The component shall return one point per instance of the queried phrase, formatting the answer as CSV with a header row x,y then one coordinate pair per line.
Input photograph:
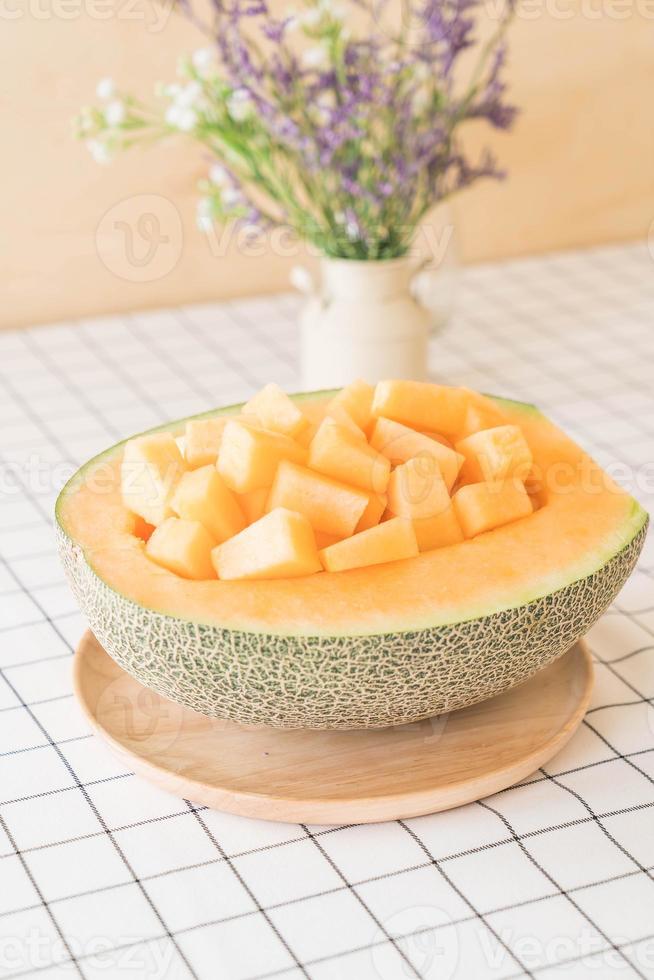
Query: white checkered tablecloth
x,y
103,876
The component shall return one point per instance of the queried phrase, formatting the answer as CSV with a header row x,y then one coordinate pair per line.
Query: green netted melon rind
x,y
341,681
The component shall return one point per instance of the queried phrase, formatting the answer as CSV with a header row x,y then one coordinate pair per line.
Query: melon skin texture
x,y
349,675
345,677
341,682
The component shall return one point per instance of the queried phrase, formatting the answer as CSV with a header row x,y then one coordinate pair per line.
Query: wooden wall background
x,y
581,158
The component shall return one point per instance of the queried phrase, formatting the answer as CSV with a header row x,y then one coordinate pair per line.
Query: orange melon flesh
x,y
202,495
274,410
495,454
323,540
142,529
438,531
253,503
388,542
482,413
400,443
438,437
328,505
279,545
372,515
484,506
151,466
202,438
583,521
339,453
421,405
355,399
338,415
183,547
417,489
248,458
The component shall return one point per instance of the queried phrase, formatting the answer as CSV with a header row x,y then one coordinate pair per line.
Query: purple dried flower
x,y
366,127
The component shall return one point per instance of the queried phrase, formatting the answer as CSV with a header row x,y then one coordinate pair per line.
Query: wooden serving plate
x,y
328,777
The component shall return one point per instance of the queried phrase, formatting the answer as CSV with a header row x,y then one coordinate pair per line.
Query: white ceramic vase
x,y
362,321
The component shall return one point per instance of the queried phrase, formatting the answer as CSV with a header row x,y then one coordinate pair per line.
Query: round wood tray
x,y
334,776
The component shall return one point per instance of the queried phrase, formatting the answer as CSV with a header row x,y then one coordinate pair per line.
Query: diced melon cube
x,y
482,413
253,503
338,452
373,513
438,437
400,443
150,468
495,454
183,547
338,415
304,437
202,438
356,400
390,541
201,495
417,489
329,506
421,405
483,506
279,545
275,411
248,458
438,531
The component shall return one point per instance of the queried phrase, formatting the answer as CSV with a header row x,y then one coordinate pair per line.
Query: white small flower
x,y
179,117
204,217
291,18
230,197
312,17
352,231
99,151
172,90
115,113
239,104
105,88
218,175
203,59
315,57
189,94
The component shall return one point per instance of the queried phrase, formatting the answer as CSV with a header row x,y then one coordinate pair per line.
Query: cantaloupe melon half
x,y
382,645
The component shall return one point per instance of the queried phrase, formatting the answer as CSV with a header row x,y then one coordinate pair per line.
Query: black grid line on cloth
x,y
249,323
561,891
342,888
477,915
212,344
77,391
239,877
510,281
599,821
42,902
546,829
108,833
353,891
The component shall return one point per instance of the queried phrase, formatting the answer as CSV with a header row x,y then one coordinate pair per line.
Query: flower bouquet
x,y
338,123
